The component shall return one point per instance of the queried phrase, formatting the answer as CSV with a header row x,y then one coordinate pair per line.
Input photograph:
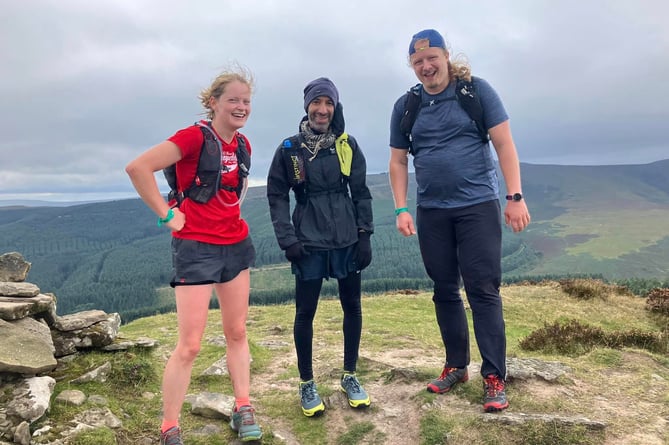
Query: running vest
x,y
208,174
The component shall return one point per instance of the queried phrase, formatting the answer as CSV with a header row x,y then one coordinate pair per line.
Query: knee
x,y
187,351
446,292
235,334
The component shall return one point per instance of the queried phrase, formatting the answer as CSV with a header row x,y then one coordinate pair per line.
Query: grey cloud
x,y
87,86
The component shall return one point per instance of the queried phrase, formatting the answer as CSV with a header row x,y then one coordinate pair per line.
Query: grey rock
x,y
13,267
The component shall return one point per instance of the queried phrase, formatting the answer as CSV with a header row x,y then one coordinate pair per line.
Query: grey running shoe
x,y
311,402
357,397
448,379
494,394
244,423
171,437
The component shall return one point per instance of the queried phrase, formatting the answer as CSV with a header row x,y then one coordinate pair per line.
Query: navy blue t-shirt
x,y
454,168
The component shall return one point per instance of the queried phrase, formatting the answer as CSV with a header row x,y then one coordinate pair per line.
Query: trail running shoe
x,y
448,379
494,395
357,397
171,437
244,423
311,402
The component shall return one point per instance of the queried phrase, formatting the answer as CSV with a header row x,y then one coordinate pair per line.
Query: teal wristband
x,y
168,218
401,210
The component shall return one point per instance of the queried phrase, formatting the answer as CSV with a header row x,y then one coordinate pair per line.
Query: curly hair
x,y
236,73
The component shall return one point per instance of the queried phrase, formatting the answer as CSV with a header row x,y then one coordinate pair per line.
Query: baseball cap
x,y
434,40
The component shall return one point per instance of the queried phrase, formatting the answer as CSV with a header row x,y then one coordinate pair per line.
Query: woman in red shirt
x,y
211,249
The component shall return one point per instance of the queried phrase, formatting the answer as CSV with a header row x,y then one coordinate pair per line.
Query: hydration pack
x,y
293,158
207,180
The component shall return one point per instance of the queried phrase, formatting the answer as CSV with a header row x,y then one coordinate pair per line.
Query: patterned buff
x,y
314,142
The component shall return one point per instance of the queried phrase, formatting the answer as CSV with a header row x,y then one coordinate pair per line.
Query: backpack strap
x,y
296,173
470,101
465,94
344,153
207,179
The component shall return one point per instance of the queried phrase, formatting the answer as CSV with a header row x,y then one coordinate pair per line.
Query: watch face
x,y
517,196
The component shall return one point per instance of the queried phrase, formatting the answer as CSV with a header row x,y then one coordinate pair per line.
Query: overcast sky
x,y
88,85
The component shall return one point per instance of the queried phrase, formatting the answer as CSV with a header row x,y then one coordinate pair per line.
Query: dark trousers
x,y
306,301
467,242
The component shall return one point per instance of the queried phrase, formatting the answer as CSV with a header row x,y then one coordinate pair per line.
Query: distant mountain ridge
x,y
608,221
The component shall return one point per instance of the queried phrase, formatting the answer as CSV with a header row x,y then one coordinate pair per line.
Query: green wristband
x,y
401,210
168,218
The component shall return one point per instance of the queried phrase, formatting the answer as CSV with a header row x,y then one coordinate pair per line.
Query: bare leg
x,y
233,298
192,309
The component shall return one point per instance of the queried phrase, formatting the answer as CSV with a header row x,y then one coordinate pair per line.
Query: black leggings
x,y
306,302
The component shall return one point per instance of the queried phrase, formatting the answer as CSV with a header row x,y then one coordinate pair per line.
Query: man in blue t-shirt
x,y
458,214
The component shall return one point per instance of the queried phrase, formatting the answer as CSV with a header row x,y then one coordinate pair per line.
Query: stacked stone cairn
x,y
34,341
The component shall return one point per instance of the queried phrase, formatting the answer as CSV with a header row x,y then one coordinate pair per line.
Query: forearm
x,y
510,166
399,177
145,183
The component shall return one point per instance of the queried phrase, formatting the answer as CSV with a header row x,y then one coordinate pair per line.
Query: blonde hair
x,y
458,67
217,88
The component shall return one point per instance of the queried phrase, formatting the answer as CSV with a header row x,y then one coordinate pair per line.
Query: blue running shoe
x,y
312,404
244,423
357,397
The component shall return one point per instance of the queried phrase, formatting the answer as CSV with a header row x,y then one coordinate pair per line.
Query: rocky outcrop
x,y
34,339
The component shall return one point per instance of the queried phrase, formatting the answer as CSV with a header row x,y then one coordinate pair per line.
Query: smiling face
x,y
320,113
430,64
232,108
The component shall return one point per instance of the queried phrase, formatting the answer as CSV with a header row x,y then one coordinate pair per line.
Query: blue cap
x,y
434,40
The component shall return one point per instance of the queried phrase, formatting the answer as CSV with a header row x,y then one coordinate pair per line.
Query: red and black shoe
x,y
448,379
494,395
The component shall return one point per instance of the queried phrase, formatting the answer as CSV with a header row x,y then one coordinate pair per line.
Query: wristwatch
x,y
515,197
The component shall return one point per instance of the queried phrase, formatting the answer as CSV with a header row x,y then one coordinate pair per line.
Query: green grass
x,y
395,328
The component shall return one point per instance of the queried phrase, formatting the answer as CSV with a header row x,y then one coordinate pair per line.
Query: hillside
x,y
594,394
607,221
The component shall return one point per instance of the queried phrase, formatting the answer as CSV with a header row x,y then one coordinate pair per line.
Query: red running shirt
x,y
218,221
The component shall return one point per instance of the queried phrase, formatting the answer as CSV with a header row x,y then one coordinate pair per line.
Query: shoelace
x,y
309,392
493,385
352,383
248,417
446,372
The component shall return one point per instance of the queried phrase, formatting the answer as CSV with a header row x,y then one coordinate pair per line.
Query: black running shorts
x,y
196,262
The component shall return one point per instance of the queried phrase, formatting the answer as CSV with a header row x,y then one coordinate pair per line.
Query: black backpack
x,y
207,180
465,94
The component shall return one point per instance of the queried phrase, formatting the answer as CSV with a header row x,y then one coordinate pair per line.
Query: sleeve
x,y
397,138
278,195
362,198
494,112
189,140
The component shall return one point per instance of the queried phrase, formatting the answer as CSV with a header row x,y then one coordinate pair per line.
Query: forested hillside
x,y
607,221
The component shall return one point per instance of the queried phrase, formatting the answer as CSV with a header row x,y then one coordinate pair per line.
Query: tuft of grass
x,y
133,370
657,301
97,436
435,429
585,288
574,338
357,432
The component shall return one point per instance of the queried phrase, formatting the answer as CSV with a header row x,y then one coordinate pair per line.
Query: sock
x,y
349,372
241,401
168,424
